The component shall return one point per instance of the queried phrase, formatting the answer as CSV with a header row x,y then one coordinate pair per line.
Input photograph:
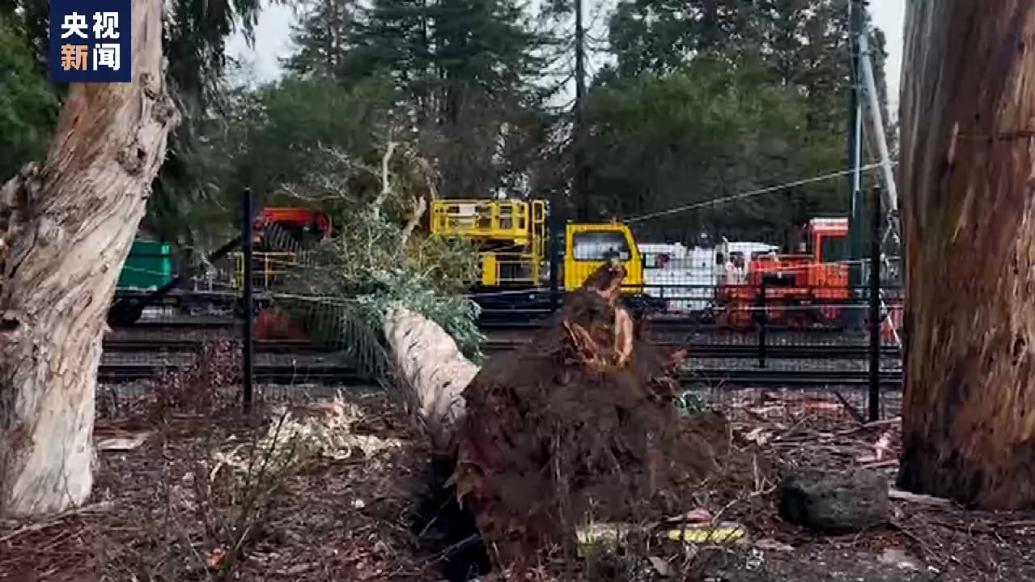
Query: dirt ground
x,y
171,509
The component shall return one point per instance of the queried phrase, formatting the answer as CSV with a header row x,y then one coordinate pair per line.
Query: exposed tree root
x,y
578,426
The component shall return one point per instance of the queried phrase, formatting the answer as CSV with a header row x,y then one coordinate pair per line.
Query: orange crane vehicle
x,y
797,290
304,225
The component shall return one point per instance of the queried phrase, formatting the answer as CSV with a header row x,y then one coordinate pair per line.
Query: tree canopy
x,y
702,99
28,105
463,72
706,132
708,98
194,44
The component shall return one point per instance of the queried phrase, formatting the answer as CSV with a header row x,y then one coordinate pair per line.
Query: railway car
x,y
149,265
280,235
148,280
148,269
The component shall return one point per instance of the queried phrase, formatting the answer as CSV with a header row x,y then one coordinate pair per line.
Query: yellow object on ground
x,y
601,536
724,532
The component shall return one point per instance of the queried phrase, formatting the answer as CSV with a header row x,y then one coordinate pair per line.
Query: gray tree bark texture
x,y
69,224
431,369
968,180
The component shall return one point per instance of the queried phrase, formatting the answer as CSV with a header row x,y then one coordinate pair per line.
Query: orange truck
x,y
798,290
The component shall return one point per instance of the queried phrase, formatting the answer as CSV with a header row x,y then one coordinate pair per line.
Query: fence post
x,y
763,320
247,213
875,244
556,240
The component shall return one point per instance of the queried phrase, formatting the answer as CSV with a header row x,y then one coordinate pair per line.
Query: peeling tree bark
x,y
69,224
432,371
968,176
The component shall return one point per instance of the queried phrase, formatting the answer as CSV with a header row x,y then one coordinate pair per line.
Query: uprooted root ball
x,y
564,431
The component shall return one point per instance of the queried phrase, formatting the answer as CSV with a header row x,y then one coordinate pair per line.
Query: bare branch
x,y
420,206
386,185
293,191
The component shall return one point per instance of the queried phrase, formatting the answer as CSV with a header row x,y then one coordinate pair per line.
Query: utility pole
x,y
248,346
579,194
873,297
855,137
873,99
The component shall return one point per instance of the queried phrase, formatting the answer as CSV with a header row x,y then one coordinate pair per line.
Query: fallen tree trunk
x,y
69,224
968,146
434,373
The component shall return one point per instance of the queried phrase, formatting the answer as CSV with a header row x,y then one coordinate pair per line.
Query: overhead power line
x,y
749,194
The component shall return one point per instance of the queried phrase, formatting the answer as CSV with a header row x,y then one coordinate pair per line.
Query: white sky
x,y
272,40
890,16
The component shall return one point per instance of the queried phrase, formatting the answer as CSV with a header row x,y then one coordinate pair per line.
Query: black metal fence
x,y
749,318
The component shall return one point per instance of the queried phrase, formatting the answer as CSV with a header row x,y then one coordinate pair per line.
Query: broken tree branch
x,y
386,184
420,207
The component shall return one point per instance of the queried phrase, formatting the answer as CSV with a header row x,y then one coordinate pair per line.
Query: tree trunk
x,y
433,371
69,225
968,142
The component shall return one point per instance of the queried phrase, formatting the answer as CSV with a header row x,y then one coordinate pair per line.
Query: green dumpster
x,y
149,265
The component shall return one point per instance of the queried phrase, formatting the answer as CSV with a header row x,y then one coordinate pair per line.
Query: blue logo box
x,y
90,41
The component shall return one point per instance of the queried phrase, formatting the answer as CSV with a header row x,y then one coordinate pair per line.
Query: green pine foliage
x,y
463,72
201,148
28,105
324,37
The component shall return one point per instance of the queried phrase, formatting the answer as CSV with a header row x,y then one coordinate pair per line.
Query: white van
x,y
684,277
733,259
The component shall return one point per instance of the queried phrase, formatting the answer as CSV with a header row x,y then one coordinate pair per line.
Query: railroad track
x,y
268,374
708,374
762,377
201,323
743,351
176,345
696,349
698,378
518,321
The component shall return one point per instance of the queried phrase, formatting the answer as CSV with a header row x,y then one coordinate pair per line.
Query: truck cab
x,y
826,245
590,245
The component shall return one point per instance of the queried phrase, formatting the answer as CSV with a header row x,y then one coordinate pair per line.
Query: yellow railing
x,y
266,267
502,220
539,237
510,269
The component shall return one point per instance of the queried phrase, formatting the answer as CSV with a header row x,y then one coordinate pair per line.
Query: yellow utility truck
x,y
514,240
